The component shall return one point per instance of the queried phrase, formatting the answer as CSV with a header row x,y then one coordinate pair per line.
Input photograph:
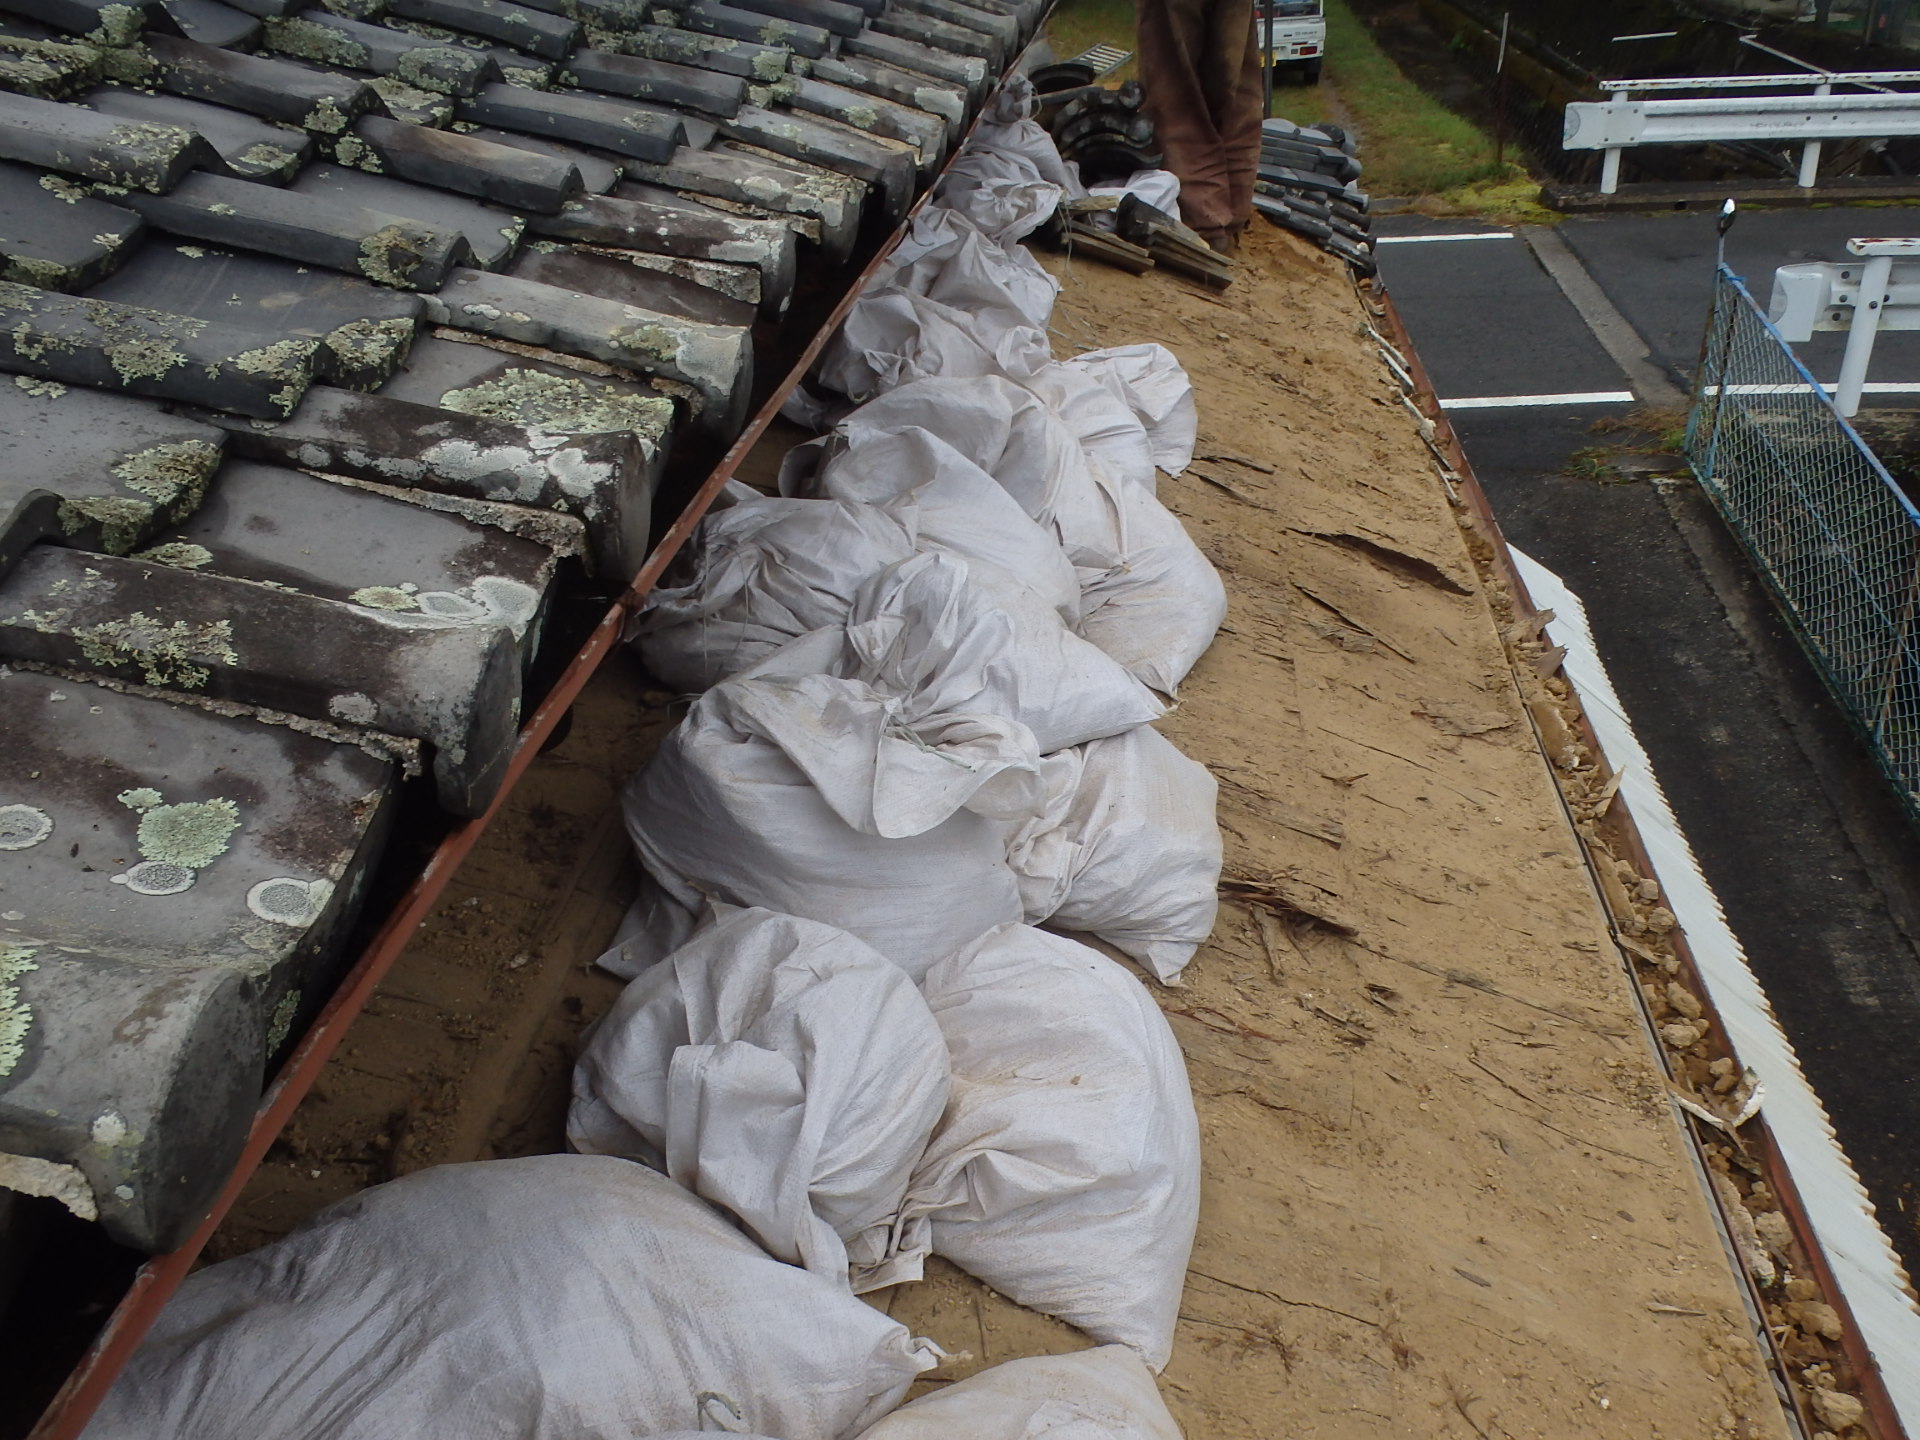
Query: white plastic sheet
x,y
777,1067
893,334
1066,1173
760,571
831,798
1153,384
956,505
1129,849
947,258
1106,1393
1157,616
560,1297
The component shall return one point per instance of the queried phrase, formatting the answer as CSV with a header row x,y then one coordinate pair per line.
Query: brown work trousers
x,y
1200,66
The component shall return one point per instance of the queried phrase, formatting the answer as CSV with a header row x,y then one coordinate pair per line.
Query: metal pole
x,y
1810,151
1610,157
1860,335
1266,50
1500,95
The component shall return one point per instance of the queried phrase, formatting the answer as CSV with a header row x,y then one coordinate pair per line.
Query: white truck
x,y
1294,33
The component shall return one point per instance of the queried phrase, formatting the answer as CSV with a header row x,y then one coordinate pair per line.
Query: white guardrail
x,y
1621,120
1879,291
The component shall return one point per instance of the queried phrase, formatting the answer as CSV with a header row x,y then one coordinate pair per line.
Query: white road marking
x,y
1514,402
1432,239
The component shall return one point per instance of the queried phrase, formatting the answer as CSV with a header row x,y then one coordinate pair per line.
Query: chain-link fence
x,y
1831,532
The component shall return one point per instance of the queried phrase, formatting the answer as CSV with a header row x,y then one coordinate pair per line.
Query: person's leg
x,y
1242,96
1176,38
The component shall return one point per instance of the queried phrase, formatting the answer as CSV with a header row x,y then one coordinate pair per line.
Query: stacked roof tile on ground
x,y
326,336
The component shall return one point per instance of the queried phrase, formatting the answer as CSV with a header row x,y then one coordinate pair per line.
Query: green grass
x,y
1410,144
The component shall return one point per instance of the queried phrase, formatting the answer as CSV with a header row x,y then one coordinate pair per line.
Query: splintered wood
x,y
1444,1194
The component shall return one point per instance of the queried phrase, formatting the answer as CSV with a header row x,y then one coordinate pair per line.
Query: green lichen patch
x,y
192,835
769,66
559,404
281,1021
412,104
119,25
653,342
122,520
141,798
385,597
47,69
167,654
326,118
352,150
267,157
15,1014
366,352
393,253
63,189
310,40
173,475
38,270
180,554
438,68
40,389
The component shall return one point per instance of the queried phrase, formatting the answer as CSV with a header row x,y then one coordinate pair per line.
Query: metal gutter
x,y
153,1284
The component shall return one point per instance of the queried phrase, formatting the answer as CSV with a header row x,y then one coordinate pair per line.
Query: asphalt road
x,y
1814,861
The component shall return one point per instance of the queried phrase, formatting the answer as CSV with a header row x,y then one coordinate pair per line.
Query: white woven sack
x,y
946,257
759,572
1002,193
1153,384
957,505
777,1067
1012,435
1106,1393
961,639
559,1297
1103,422
1066,1172
892,335
794,789
1007,127
1157,616
1129,849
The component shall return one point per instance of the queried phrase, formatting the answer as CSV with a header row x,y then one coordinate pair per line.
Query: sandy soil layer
x,y
1444,1195
1443,1192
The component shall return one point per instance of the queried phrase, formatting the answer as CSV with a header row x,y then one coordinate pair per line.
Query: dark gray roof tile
x,y
412,104
54,235
910,54
181,911
829,15
599,170
657,80
607,478
624,127
212,23
82,142
1002,27
316,224
524,389
149,352
45,68
121,468
940,34
252,148
716,361
452,684
313,100
353,44
552,37
926,132
749,175
612,275
363,329
638,217
518,179
876,77
337,540
104,22
711,18
889,167
750,61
